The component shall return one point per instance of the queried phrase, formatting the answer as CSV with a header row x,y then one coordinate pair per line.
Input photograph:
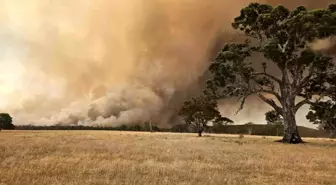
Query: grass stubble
x,y
118,158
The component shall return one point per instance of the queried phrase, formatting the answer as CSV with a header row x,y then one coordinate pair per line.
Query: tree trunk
x,y
277,131
200,131
332,134
250,131
291,133
150,127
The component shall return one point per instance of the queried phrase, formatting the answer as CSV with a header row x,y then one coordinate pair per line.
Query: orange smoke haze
x,y
108,61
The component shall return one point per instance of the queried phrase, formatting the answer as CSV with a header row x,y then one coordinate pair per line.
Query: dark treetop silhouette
x,y
282,37
6,121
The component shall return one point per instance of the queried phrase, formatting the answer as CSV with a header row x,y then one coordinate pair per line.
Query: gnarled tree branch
x,y
301,103
306,101
271,103
272,93
243,99
304,82
242,103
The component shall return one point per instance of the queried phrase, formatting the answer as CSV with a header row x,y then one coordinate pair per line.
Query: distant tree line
x,y
265,130
132,127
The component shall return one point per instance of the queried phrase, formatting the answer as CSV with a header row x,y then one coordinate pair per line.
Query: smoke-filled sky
x,y
113,61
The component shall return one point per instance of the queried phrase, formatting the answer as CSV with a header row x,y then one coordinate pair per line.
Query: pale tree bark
x,y
291,133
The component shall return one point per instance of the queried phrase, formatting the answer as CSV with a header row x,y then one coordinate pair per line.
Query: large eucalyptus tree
x,y
282,38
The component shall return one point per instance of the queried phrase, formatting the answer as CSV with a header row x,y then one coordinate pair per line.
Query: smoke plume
x,y
108,62
327,46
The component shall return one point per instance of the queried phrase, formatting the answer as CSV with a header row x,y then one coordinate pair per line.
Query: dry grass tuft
x,y
99,157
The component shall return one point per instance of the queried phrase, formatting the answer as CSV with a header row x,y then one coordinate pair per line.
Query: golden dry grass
x,y
99,157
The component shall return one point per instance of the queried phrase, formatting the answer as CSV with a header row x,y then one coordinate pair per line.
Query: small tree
x,y
6,121
199,111
275,119
282,37
250,127
324,114
149,126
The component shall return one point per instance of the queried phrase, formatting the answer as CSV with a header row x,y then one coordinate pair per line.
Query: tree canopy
x,y
273,118
201,110
279,38
6,121
324,114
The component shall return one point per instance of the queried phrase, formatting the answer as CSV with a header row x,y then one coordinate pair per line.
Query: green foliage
x,y
274,118
324,114
6,121
199,111
282,37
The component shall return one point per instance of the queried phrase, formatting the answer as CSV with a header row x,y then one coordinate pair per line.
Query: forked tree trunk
x,y
291,133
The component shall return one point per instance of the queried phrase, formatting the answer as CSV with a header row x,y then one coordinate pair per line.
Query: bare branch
x,y
301,103
306,101
303,83
272,93
243,99
242,103
305,80
267,75
271,103
284,47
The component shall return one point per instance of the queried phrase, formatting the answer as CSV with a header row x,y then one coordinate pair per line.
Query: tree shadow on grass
x,y
294,143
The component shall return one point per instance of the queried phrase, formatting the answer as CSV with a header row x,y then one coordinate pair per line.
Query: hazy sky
x,y
128,60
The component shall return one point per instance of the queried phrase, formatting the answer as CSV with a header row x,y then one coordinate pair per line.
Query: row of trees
x,y
279,38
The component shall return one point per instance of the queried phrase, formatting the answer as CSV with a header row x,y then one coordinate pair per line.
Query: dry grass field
x,y
99,157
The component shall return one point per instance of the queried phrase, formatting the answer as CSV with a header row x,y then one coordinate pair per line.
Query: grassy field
x,y
99,157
